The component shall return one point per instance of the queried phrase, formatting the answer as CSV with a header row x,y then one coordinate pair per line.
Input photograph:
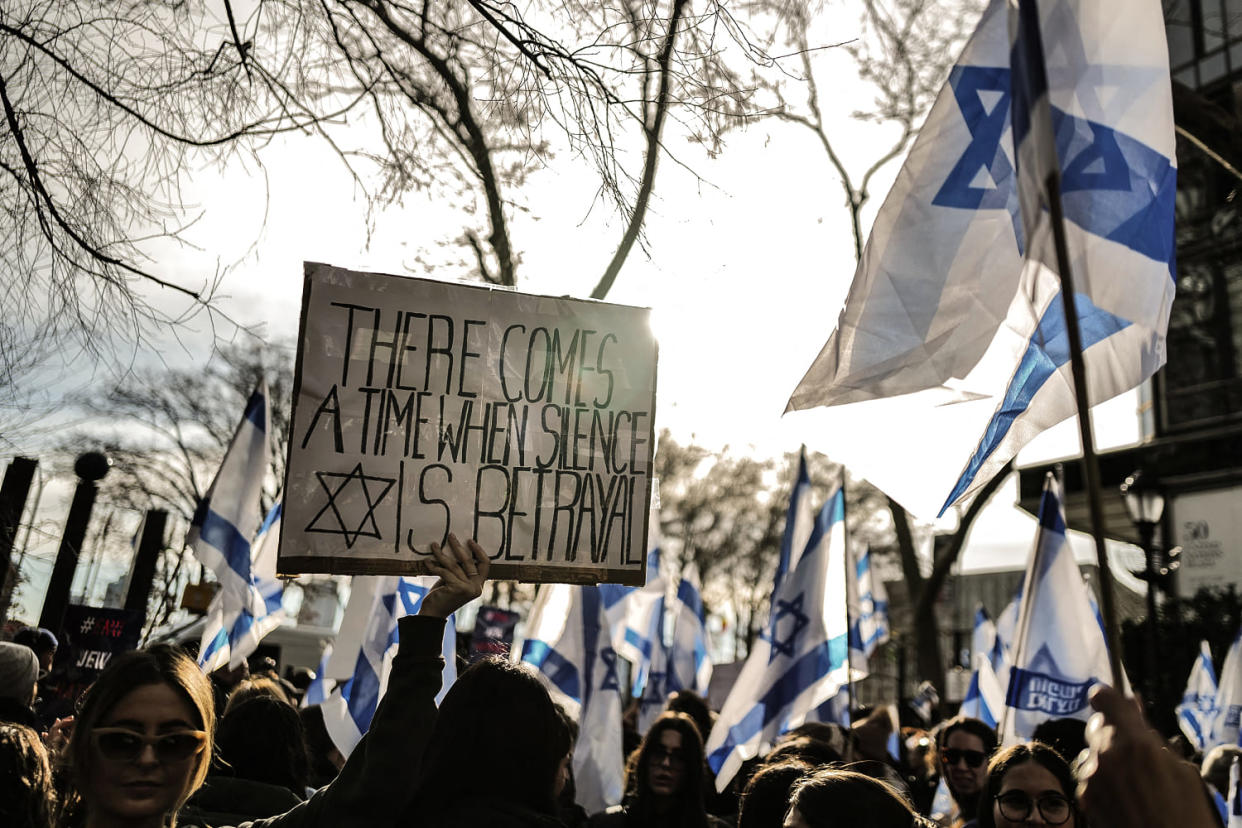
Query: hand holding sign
x,y
462,571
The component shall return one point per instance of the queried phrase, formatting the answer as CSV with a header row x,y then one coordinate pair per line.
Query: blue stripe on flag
x,y
273,515
241,626
256,411
832,513
591,610
809,668
690,597
1050,513
559,670
801,489
1047,351
219,533
217,644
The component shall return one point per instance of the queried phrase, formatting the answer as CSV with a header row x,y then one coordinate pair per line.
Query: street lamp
x,y
1145,502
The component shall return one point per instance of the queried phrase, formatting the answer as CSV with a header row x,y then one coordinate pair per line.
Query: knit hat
x,y
19,670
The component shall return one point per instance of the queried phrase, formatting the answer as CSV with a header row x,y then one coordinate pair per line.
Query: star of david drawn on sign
x,y
350,509
788,622
610,681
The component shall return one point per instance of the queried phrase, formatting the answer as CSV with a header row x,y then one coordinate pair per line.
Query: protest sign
x,y
424,407
493,633
90,637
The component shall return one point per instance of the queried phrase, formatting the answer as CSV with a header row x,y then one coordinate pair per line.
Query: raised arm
x,y
374,787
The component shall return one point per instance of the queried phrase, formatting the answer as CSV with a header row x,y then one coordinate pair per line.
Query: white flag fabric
x,y
801,658
1229,698
689,666
985,697
1060,651
799,522
943,303
983,637
639,638
348,711
221,533
868,603
1198,706
567,643
317,690
234,631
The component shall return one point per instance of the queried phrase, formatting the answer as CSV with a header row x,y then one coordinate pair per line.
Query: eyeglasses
x,y
121,744
973,758
1016,806
676,758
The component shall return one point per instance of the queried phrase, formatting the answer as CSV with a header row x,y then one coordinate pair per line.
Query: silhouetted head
x,y
496,712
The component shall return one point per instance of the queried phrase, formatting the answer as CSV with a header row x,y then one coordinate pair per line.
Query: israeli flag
x,y
640,636
801,658
224,525
956,298
983,636
1198,706
799,522
689,666
651,678
1228,698
1060,651
317,690
985,697
868,603
568,646
348,711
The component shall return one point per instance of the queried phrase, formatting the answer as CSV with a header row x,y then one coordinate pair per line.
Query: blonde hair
x,y
160,664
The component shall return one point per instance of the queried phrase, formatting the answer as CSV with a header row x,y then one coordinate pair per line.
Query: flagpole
x,y
1090,463
849,660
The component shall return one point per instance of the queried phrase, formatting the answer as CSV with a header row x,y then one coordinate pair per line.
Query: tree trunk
x,y
924,591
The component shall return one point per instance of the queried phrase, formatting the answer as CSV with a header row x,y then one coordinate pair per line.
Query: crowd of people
x,y
152,744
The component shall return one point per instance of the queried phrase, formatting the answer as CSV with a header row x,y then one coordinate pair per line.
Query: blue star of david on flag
x,y
611,680
787,644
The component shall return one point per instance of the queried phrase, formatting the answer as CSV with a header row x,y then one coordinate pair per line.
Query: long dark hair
x,y
1020,754
496,712
687,808
159,664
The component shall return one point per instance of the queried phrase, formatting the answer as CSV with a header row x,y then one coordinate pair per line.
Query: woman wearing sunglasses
x,y
143,738
963,746
1028,785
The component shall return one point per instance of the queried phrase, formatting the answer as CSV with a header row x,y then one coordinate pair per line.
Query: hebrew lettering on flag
x,y
1060,652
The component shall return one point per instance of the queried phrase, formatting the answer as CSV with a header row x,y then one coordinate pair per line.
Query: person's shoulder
x,y
717,822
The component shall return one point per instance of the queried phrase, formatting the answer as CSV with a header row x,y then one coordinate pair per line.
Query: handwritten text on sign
x,y
427,407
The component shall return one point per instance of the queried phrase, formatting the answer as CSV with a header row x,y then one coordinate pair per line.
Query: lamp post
x,y
1145,502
